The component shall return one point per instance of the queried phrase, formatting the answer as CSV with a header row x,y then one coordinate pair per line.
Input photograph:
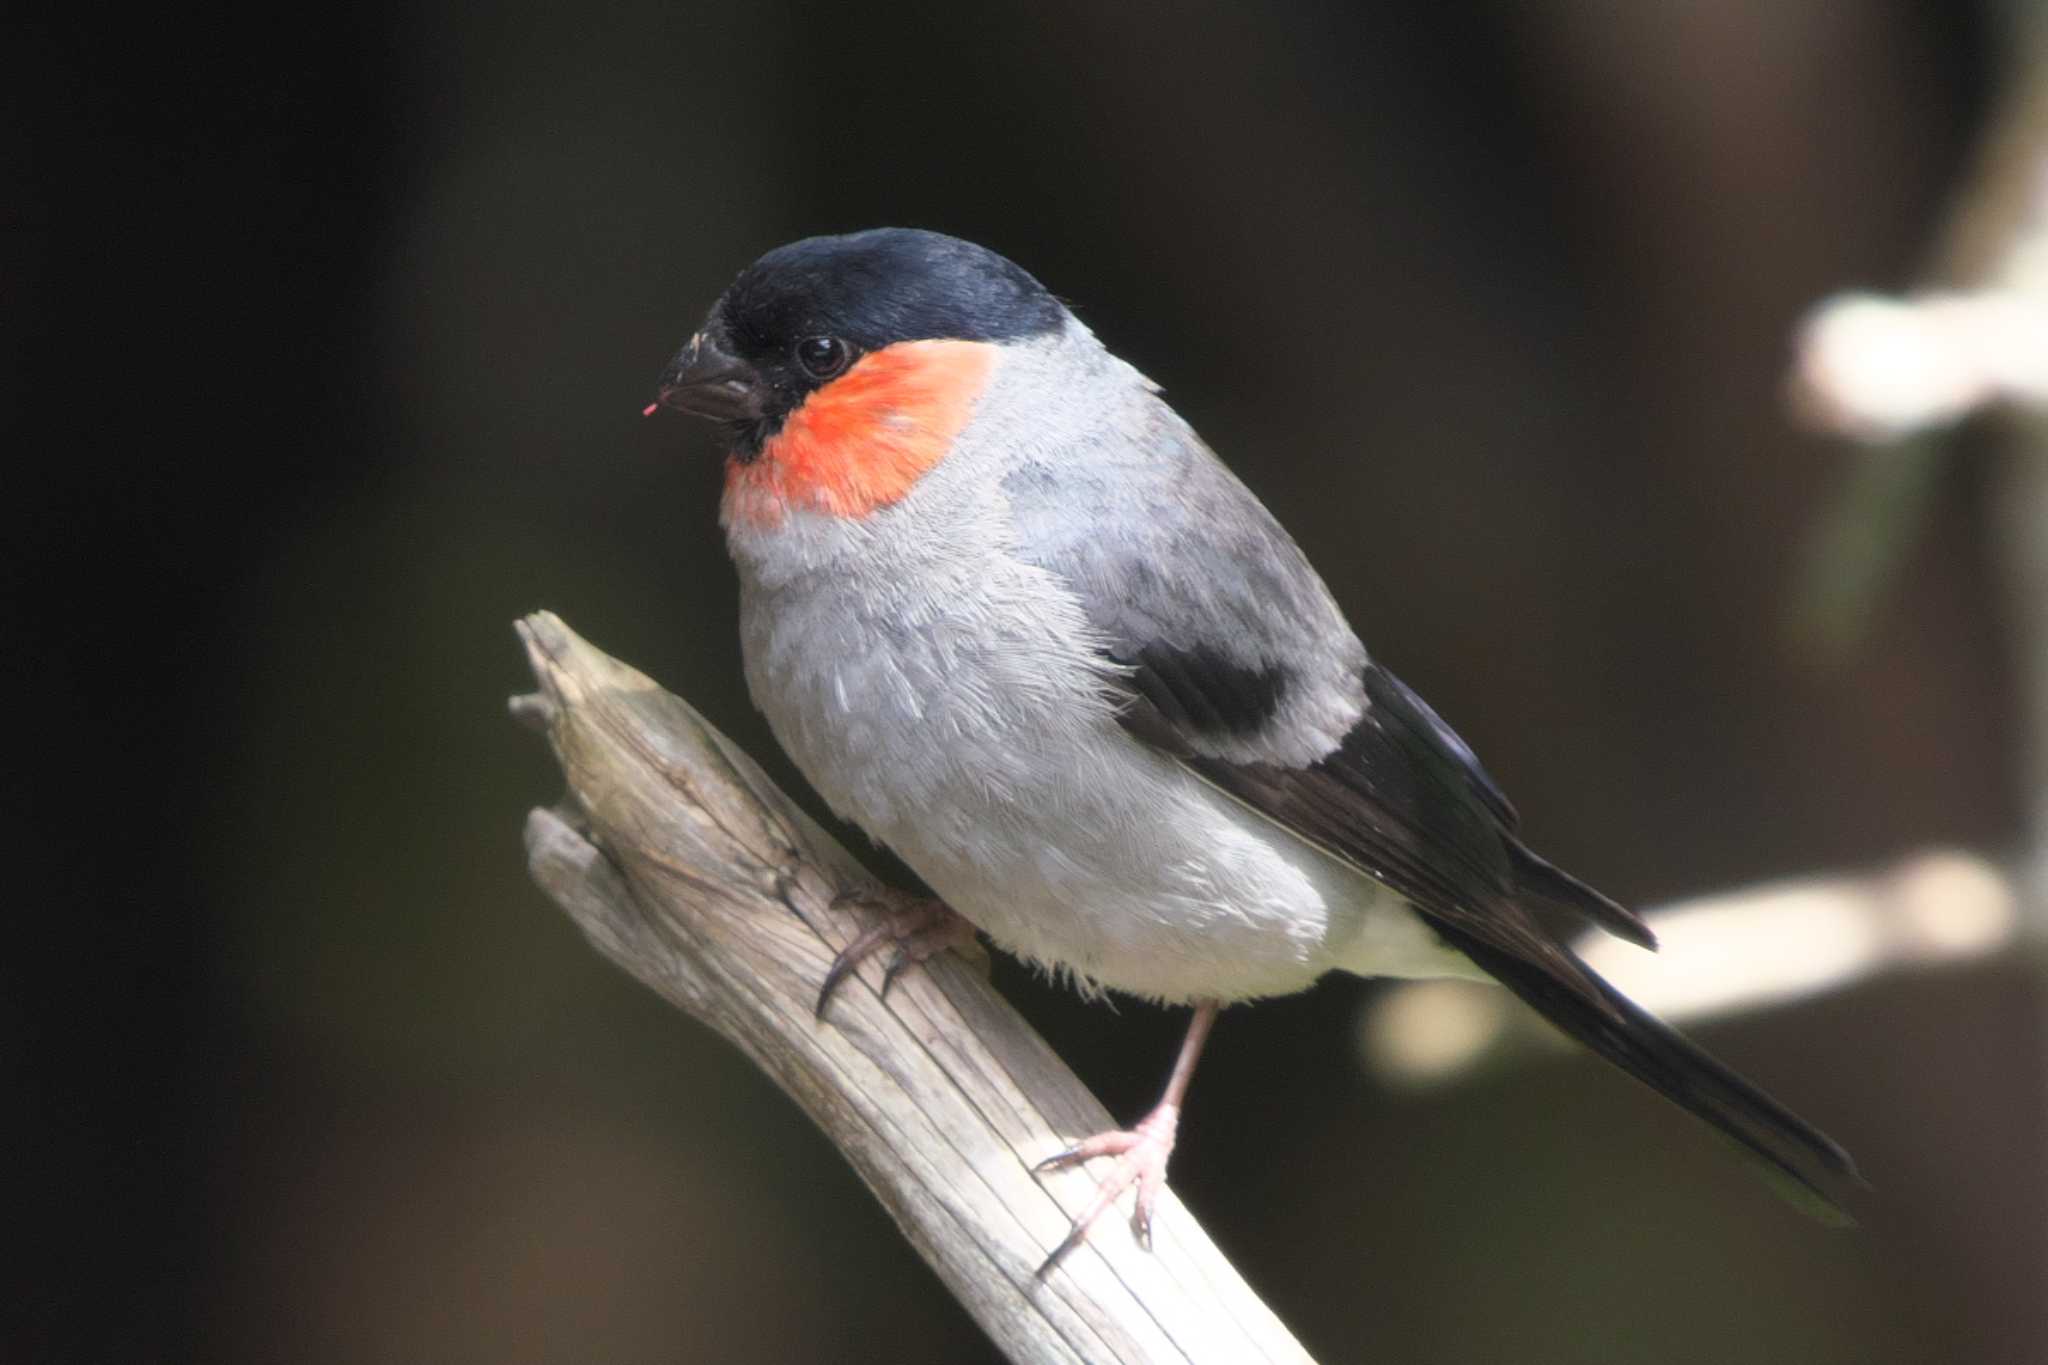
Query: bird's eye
x,y
822,357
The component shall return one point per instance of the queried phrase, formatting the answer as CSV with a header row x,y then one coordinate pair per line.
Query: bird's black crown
x,y
873,289
805,313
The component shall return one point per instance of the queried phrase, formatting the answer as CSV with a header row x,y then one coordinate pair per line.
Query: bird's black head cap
x,y
804,313
872,289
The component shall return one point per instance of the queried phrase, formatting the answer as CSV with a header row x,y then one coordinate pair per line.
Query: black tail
x,y
1799,1159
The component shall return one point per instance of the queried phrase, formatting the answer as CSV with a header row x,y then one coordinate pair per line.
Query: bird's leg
x,y
1141,1151
921,927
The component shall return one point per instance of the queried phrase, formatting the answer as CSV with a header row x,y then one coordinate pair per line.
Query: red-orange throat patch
x,y
863,441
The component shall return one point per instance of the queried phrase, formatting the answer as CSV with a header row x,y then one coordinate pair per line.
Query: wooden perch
x,y
685,865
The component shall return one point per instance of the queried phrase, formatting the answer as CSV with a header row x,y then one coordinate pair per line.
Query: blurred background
x,y
326,333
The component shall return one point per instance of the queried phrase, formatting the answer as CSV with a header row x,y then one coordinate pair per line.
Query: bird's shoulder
x,y
1194,590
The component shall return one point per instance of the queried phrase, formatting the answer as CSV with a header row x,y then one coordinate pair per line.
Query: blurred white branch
x,y
1877,368
1895,373
1725,954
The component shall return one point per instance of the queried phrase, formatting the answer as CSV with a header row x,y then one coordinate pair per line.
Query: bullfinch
x,y
1008,613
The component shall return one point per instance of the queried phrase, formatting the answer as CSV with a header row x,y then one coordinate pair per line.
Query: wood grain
x,y
686,866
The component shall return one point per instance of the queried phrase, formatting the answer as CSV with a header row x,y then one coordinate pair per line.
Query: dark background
x,y
326,333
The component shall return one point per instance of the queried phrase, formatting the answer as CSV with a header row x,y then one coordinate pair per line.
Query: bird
x,y
1007,612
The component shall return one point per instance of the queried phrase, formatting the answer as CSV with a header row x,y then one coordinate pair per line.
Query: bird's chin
x,y
746,437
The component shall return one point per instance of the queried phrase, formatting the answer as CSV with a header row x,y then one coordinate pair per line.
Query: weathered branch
x,y
685,865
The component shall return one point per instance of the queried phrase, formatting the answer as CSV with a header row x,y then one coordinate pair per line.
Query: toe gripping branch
x,y
1142,1152
921,927
659,855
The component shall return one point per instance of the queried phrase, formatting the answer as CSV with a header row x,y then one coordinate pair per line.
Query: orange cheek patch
x,y
864,440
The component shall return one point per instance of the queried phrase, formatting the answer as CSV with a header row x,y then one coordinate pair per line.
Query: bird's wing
x,y
1232,656
1229,654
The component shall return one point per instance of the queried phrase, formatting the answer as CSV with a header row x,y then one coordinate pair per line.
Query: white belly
x,y
978,744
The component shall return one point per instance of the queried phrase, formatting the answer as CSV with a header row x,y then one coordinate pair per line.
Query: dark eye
x,y
823,357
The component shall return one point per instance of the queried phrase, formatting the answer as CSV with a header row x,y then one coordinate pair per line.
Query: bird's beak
x,y
706,380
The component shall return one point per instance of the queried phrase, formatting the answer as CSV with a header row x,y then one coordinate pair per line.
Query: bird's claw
x,y
1142,1153
900,960
920,927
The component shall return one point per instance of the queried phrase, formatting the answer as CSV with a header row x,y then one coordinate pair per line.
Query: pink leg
x,y
919,926
1141,1152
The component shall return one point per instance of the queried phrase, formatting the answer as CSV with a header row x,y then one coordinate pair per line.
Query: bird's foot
x,y
1141,1154
920,927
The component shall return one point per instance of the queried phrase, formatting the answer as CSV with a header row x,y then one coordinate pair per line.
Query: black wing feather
x,y
1434,742
1215,620
1405,800
1202,691
1403,797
